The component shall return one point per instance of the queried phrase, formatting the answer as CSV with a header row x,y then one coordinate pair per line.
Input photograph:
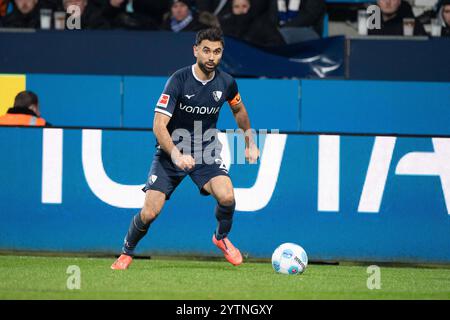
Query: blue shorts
x,y
164,176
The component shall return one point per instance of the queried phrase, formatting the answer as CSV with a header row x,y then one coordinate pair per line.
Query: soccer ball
x,y
289,258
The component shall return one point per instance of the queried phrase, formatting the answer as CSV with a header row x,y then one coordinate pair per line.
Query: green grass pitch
x,y
31,277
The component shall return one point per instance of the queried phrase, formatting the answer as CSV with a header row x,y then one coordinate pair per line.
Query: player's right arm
x,y
163,113
160,121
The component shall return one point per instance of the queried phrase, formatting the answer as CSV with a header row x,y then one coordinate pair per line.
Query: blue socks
x,y
224,215
137,230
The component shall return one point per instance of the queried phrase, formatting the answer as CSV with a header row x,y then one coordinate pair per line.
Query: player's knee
x,y
227,200
149,214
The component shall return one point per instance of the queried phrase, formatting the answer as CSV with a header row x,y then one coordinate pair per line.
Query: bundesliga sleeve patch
x,y
163,101
235,101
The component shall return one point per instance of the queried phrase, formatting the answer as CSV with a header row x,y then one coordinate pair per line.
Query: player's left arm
x,y
243,121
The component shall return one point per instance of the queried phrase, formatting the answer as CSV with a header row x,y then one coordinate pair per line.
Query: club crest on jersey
x,y
217,95
163,101
153,178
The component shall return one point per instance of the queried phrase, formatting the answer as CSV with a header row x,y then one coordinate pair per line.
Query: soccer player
x,y
190,103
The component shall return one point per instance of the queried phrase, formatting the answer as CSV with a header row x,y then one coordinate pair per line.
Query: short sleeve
x,y
169,97
233,97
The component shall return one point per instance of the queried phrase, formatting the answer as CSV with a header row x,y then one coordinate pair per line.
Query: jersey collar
x,y
203,82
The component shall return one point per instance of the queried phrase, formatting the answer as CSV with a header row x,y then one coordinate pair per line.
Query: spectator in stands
x,y
24,15
219,8
4,4
392,14
260,7
212,11
209,19
182,17
155,9
91,16
25,111
119,17
50,4
444,17
299,20
243,24
114,10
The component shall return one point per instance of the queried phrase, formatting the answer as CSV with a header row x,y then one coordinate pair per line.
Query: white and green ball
x,y
289,258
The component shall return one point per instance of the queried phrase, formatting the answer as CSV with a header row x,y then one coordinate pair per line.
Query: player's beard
x,y
207,70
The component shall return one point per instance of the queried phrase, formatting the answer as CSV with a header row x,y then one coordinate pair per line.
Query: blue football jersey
x,y
194,105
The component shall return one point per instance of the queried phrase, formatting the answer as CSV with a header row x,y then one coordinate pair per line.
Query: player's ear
x,y
195,49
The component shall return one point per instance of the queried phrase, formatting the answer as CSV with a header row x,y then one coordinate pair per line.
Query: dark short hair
x,y
211,34
24,99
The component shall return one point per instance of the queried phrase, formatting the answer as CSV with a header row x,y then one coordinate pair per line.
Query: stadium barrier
x,y
362,198
112,101
162,53
157,54
333,106
398,59
380,107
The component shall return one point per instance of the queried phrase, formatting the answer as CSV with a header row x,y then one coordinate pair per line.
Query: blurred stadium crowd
x,y
259,22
